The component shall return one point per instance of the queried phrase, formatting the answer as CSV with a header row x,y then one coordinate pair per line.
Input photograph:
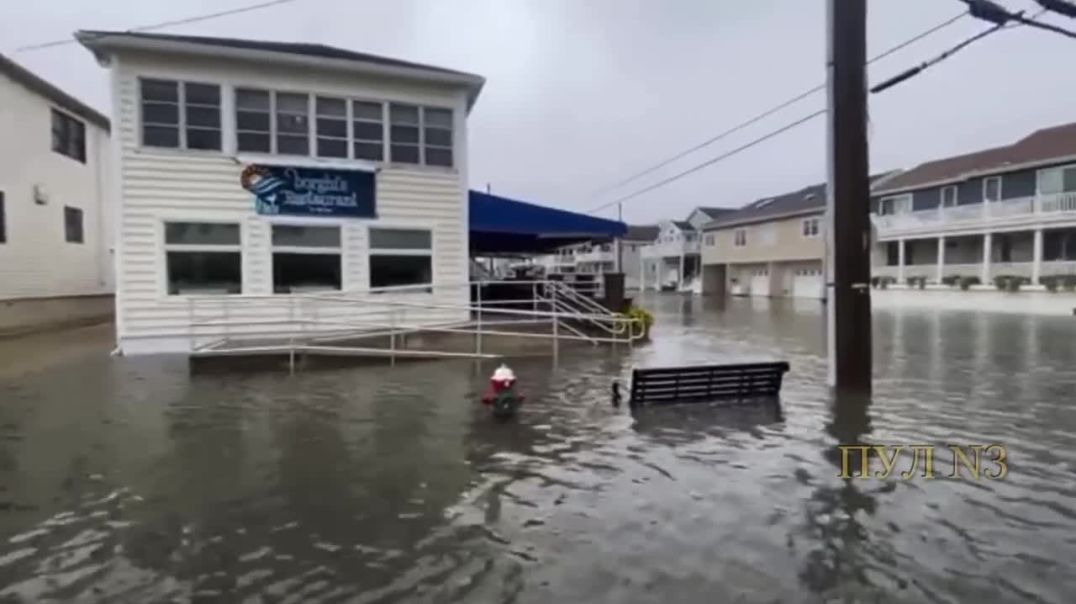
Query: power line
x,y
772,110
711,161
155,26
878,88
1000,21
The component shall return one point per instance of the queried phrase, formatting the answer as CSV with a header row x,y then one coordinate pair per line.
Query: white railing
x,y
987,213
670,249
1061,202
303,323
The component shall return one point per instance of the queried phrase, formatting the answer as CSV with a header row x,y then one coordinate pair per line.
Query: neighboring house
x,y
269,169
599,258
773,247
673,261
55,221
1007,211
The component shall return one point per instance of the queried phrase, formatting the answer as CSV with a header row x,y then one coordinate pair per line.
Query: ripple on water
x,y
129,480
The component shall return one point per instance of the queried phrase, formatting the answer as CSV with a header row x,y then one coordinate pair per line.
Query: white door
x,y
807,283
760,283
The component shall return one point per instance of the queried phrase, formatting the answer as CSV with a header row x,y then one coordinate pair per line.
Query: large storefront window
x,y
203,258
401,257
306,259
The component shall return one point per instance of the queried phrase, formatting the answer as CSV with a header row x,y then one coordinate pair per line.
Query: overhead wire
x,y
164,24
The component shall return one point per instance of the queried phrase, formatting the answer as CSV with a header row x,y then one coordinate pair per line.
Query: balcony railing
x,y
996,212
670,249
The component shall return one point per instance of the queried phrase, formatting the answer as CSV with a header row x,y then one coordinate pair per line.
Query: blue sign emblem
x,y
310,191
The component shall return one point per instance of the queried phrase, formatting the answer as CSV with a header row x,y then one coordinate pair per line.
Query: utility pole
x,y
848,195
617,242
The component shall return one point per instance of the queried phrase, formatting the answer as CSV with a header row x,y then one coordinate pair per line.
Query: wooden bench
x,y
704,383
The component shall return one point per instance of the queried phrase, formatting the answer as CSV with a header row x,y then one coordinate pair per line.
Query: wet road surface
x,y
128,480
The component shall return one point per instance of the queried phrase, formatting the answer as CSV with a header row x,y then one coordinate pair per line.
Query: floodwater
x,y
128,480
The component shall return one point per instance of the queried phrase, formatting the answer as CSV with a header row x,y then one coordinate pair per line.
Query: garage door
x,y
760,284
807,283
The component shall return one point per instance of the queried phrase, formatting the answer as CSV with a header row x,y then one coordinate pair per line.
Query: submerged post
x,y
848,197
478,331
556,323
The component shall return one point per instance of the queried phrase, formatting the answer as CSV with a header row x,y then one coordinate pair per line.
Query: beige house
x,y
772,247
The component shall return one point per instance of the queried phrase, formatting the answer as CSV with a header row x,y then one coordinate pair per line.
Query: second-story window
x,y
740,238
253,116
437,136
811,228
420,135
948,196
180,115
292,124
404,134
992,189
368,130
332,127
68,136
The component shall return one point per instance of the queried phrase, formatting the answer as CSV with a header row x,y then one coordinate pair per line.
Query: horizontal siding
x,y
158,185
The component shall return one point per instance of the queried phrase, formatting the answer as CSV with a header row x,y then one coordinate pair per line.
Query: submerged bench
x,y
704,383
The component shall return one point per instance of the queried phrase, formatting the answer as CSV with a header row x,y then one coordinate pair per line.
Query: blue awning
x,y
502,225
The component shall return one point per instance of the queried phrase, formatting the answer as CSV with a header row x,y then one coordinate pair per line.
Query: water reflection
x,y
126,480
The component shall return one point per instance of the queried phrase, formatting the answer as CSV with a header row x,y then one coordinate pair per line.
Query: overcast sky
x,y
583,93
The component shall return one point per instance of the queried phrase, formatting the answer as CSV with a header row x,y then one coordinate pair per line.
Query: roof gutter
x,y
716,226
101,45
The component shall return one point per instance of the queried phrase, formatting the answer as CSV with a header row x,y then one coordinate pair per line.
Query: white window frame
x,y
404,289
709,240
941,196
986,180
898,204
181,124
165,247
739,238
1062,169
811,228
312,250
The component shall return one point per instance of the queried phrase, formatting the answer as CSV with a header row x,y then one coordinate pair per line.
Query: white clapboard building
x,y
259,181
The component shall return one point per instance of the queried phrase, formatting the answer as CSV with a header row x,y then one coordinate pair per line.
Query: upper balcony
x,y
602,253
671,249
1019,212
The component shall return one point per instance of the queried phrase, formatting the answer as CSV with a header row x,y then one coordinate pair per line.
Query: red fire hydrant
x,y
500,395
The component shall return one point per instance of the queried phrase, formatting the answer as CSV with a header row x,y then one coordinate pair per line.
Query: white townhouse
x,y
259,181
55,218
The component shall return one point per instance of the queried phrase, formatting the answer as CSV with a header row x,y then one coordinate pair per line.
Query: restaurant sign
x,y
286,190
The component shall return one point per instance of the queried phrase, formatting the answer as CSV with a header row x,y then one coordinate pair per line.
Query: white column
x,y
941,259
988,244
680,277
642,274
1036,258
900,261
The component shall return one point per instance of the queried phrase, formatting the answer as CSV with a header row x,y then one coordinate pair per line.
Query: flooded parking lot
x,y
129,480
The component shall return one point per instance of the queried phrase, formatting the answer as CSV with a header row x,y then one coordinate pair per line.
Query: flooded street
x,y
128,480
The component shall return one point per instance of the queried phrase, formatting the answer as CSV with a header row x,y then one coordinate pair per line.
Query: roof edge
x,y
1060,159
717,225
50,91
103,42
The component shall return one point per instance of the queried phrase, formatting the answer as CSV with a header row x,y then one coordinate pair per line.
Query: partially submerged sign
x,y
310,191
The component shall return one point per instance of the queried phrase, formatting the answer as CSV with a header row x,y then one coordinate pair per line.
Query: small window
x,y
437,131
992,189
73,225
252,120
292,124
201,105
203,258
709,240
368,127
332,127
306,258
740,238
404,134
810,228
401,257
3,220
68,136
948,196
180,115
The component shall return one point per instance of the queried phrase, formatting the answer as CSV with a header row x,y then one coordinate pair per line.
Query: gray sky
x,y
583,93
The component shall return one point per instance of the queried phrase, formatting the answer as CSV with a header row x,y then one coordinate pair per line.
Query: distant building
x,y
773,247
56,220
592,258
267,169
1007,211
673,261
